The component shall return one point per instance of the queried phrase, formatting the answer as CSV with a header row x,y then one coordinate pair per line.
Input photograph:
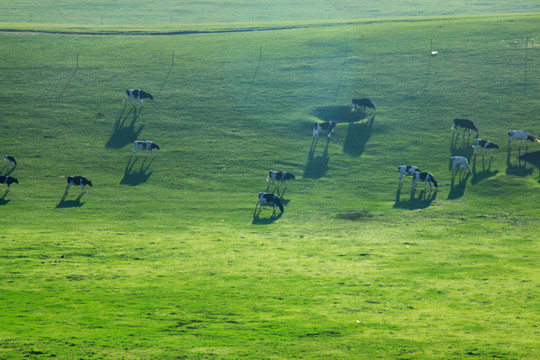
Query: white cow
x,y
521,136
461,162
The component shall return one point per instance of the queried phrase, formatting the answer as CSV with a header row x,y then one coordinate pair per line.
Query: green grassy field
x,y
127,12
164,258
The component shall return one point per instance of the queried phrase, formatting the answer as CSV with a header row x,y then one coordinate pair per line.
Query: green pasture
x,y
151,12
165,258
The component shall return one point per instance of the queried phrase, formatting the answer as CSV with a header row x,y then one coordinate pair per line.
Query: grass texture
x,y
164,258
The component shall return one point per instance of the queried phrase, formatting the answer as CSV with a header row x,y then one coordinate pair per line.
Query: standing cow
x,y
363,102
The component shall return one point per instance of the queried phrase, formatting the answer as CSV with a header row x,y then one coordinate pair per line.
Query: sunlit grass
x,y
162,258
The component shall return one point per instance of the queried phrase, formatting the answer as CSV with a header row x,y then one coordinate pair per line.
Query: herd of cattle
x,y
459,163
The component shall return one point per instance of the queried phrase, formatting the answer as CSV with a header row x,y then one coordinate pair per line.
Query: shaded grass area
x,y
163,258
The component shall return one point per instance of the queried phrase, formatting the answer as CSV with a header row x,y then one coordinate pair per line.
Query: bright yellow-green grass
x,y
163,258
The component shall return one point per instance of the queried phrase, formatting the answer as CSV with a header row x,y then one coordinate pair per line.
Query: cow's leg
x,y
400,179
82,188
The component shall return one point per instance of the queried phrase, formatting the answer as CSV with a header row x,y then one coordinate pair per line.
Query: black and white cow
x,y
484,144
363,102
6,179
466,124
269,199
138,94
281,176
521,136
408,170
77,180
144,145
8,159
327,126
425,177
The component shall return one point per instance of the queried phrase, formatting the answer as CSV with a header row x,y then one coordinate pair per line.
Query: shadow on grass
x,y
123,135
317,167
486,173
458,190
460,147
358,134
339,114
3,200
265,221
520,169
136,177
7,170
424,200
533,159
70,203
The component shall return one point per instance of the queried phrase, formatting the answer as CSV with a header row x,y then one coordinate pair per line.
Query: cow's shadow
x,y
7,170
485,173
457,189
460,148
123,134
532,158
422,201
317,166
136,177
70,203
358,134
339,114
265,221
3,200
520,169
279,192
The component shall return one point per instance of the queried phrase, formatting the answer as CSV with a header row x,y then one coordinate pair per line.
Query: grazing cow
x,y
138,94
465,124
328,126
282,176
486,145
363,102
269,199
145,145
8,159
521,136
77,180
408,170
6,179
461,162
425,177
